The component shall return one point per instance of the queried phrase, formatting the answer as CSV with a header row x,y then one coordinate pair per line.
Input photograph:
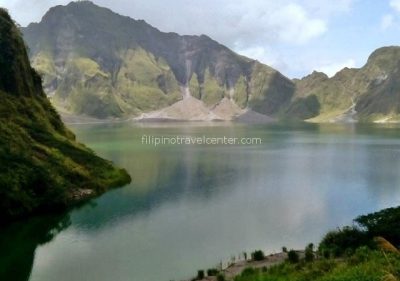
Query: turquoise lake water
x,y
190,207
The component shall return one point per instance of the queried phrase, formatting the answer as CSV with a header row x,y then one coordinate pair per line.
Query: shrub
x,y
385,223
200,274
245,256
258,255
309,253
212,272
248,271
362,254
325,253
220,277
264,269
337,243
293,256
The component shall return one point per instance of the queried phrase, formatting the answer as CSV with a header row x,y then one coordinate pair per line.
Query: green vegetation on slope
x,y
145,82
43,167
364,252
270,92
213,92
364,265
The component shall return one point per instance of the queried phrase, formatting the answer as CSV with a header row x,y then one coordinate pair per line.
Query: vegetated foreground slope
x,y
366,251
42,166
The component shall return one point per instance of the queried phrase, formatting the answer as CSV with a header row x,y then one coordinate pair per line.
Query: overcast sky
x,y
294,36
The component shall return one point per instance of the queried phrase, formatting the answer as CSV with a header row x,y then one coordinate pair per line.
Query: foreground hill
x,y
42,166
366,251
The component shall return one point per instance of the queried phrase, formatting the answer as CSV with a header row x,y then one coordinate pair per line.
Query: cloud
x,y
230,21
387,21
292,21
264,27
265,54
331,69
294,25
25,12
395,4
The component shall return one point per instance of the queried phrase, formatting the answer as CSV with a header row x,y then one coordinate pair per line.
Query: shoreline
x,y
236,267
84,120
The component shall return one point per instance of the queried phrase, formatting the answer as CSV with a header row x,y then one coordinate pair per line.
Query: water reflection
x,y
19,241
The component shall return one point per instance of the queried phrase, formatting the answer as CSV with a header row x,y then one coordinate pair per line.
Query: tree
x,y
293,256
212,272
258,255
337,243
309,253
200,274
385,223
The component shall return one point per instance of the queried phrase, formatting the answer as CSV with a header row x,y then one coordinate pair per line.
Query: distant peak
x,y
316,74
81,2
385,51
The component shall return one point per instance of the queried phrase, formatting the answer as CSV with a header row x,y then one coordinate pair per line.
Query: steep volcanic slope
x,y
95,62
42,166
371,93
102,64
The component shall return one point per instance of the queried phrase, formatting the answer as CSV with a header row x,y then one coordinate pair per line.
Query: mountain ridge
x,y
138,68
369,91
98,63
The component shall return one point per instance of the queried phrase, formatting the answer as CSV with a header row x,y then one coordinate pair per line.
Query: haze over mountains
x,y
97,63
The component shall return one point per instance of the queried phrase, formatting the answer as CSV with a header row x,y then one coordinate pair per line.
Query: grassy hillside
x,y
364,265
365,251
43,167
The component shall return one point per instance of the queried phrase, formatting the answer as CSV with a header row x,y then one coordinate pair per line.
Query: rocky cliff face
x,y
42,166
99,63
